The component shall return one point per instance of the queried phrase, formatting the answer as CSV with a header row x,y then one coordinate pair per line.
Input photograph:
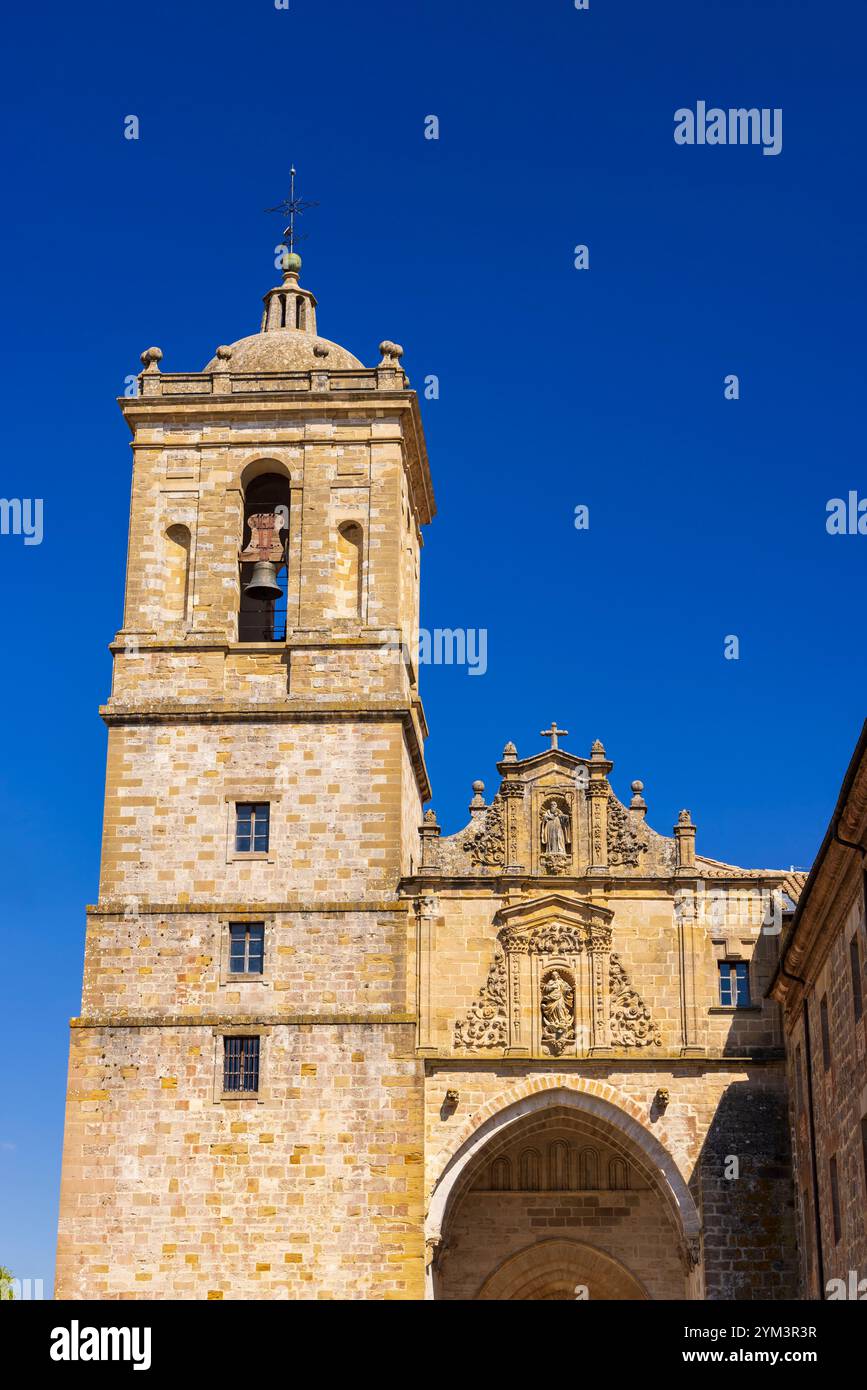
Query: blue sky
x,y
558,387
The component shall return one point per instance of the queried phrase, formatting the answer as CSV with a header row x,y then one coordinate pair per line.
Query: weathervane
x,y
292,207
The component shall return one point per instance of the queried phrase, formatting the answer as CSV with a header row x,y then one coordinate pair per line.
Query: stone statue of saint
x,y
556,830
557,1004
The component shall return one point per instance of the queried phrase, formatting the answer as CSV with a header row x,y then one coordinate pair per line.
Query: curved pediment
x,y
552,923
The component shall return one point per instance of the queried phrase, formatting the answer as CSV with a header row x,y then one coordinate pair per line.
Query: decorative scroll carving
x,y
631,1023
558,1012
627,840
485,1024
555,939
486,845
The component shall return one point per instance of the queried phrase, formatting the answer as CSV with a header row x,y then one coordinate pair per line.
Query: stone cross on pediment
x,y
554,734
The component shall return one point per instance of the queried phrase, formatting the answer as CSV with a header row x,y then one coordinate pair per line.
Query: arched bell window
x,y
262,614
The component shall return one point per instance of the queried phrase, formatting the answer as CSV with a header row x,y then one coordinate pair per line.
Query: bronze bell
x,y
263,582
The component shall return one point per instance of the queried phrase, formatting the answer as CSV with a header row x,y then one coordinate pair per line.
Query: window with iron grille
x,y
252,827
246,947
241,1064
855,966
826,1032
734,984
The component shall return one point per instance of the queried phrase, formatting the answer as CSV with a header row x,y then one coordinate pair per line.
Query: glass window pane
x,y
725,985
742,975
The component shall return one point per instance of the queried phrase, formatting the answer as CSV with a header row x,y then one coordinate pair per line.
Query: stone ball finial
x,y
320,349
478,788
292,263
638,803
224,352
391,353
150,357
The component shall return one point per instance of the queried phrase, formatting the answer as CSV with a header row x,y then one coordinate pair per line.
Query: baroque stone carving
x,y
486,845
631,1022
553,940
485,1024
558,1012
626,839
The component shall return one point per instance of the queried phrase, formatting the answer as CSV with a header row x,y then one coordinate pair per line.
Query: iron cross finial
x,y
554,733
292,207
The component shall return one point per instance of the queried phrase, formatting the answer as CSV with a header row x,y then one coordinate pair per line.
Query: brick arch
x,y
554,1269
531,1096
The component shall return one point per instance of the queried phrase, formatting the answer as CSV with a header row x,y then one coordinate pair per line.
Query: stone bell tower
x,y
243,1082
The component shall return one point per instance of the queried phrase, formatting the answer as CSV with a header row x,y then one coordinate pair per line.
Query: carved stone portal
x,y
555,987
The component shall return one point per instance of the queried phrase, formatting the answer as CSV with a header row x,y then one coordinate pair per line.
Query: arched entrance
x,y
561,1189
561,1269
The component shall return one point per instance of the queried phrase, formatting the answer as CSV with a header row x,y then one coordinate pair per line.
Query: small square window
x,y
252,827
734,984
241,1065
246,948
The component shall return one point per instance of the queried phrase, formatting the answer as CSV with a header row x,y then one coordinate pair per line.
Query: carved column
x,y
599,952
512,794
597,796
689,942
425,910
684,834
518,992
429,833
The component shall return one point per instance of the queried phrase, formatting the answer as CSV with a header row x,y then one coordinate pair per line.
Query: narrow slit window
x,y
826,1032
855,966
835,1201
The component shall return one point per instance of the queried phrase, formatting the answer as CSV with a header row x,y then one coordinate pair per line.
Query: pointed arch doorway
x,y
562,1195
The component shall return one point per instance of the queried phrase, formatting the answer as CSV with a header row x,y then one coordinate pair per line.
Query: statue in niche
x,y
555,835
558,1013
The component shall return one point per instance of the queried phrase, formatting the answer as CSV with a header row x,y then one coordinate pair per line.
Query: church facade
x,y
326,1050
